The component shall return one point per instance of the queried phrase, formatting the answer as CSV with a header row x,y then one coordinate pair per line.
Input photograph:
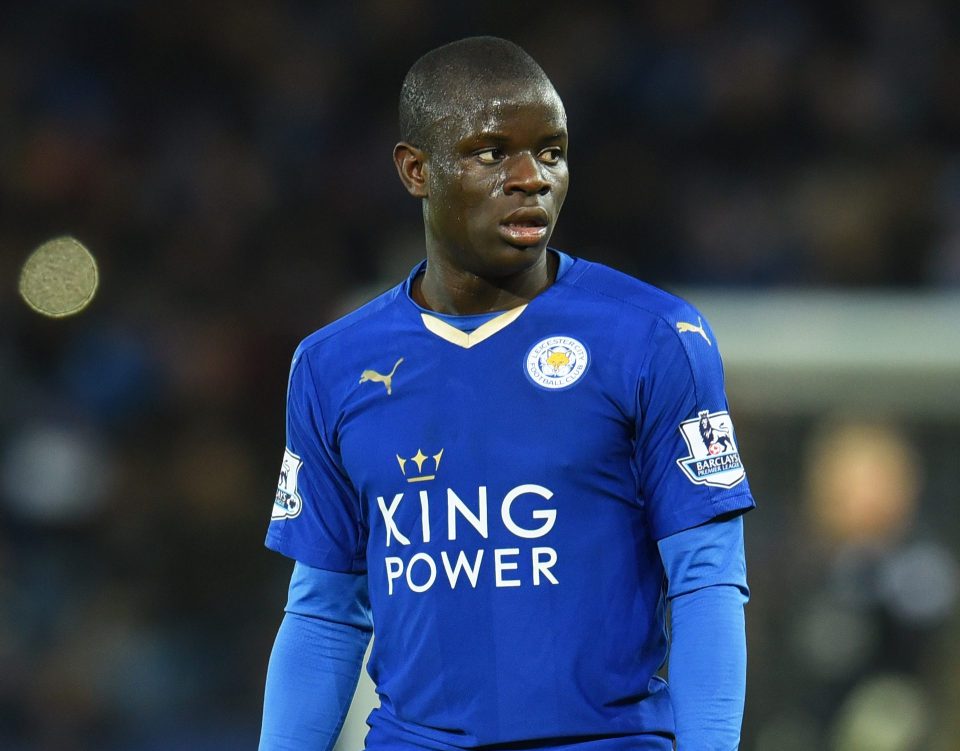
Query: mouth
x,y
526,226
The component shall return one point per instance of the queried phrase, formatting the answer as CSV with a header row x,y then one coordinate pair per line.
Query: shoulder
x,y
361,325
659,334
604,287
327,364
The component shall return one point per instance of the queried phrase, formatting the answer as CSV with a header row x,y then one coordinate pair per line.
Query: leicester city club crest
x,y
713,457
287,503
557,362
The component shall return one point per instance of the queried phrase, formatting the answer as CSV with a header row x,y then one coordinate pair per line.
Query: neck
x,y
447,289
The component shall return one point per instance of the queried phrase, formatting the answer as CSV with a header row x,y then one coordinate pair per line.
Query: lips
x,y
525,226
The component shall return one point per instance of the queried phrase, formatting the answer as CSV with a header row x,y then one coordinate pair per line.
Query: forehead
x,y
502,108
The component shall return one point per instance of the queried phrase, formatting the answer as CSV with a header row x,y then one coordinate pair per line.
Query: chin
x,y
509,260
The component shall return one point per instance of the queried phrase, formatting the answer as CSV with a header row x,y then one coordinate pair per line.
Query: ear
x,y
412,167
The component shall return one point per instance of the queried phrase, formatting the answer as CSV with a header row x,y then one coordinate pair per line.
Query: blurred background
x,y
792,167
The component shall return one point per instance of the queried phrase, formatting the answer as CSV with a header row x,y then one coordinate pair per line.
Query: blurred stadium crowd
x,y
229,166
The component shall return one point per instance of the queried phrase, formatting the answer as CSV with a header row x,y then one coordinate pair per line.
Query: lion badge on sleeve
x,y
713,458
288,503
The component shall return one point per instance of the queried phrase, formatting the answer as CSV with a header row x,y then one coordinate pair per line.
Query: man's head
x,y
445,81
484,145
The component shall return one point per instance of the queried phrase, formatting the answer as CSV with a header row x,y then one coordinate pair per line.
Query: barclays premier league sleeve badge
x,y
287,503
713,456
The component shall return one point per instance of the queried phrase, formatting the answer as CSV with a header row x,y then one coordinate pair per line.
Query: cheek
x,y
445,187
475,191
493,184
561,181
461,194
483,192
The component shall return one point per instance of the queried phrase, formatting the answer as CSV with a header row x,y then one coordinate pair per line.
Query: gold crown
x,y
419,459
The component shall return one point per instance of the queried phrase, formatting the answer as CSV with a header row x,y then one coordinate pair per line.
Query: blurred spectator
x,y
872,592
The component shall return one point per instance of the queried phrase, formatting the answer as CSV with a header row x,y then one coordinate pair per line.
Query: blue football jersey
x,y
504,490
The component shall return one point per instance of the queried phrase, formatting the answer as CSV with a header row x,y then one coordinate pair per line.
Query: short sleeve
x,y
316,516
686,455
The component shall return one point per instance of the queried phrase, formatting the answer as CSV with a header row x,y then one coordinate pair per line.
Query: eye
x,y
489,156
551,156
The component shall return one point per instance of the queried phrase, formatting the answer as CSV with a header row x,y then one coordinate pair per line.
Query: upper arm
x,y
317,517
686,453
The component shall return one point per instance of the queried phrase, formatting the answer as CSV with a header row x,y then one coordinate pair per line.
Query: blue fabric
x,y
488,490
707,590
705,556
315,661
330,595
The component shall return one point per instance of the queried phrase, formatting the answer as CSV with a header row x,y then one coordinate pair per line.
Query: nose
x,y
524,175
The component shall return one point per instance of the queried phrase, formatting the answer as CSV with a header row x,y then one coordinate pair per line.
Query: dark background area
x,y
228,164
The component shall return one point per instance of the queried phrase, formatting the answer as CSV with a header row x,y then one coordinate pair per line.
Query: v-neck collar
x,y
449,333
461,338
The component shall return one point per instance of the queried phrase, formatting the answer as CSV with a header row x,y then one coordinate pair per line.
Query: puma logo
x,y
386,380
684,327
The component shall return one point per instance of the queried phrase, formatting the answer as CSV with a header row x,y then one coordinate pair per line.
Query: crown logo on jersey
x,y
419,459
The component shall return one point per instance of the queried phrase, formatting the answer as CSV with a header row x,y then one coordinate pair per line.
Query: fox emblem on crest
x,y
557,360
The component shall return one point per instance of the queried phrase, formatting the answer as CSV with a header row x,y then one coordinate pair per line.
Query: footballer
x,y
507,468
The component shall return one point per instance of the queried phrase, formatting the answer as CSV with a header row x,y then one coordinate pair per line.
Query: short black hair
x,y
443,76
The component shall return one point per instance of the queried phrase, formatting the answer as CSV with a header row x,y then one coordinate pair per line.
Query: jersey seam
x,y
661,318
721,504
686,356
360,515
718,502
634,304
639,474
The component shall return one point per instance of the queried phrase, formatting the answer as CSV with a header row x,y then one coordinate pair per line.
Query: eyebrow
x,y
488,135
500,137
